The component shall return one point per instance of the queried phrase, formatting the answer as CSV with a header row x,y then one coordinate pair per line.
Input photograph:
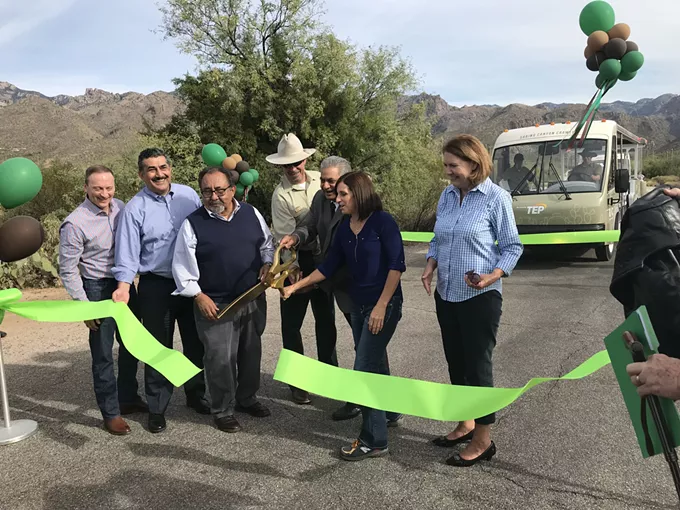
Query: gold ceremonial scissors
x,y
275,279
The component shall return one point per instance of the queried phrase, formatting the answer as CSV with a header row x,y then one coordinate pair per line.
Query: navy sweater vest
x,y
228,252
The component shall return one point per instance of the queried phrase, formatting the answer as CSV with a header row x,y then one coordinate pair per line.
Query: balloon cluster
x,y
20,236
609,52
241,173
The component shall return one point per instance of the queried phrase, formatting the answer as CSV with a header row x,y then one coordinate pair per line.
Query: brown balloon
x,y
20,237
631,46
588,52
242,166
597,40
234,177
236,158
615,48
619,31
229,163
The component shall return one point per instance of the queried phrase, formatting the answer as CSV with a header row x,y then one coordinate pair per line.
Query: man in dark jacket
x,y
322,221
647,267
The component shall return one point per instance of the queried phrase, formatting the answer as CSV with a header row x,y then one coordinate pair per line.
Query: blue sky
x,y
484,52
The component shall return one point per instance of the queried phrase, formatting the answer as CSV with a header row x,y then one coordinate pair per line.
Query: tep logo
x,y
536,209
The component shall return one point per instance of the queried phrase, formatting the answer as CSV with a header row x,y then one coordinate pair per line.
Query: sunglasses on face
x,y
292,165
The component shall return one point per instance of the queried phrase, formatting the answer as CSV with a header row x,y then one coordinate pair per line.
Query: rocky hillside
x,y
656,119
100,124
94,125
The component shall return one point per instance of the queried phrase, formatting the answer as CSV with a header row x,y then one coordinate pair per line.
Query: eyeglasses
x,y
207,193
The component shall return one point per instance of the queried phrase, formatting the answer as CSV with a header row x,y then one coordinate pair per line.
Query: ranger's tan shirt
x,y
291,203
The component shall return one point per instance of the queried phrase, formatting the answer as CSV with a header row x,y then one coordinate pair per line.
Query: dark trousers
x,y
371,356
159,311
469,335
233,351
294,309
109,392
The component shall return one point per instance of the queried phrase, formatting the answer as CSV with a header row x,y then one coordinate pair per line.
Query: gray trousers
x,y
233,350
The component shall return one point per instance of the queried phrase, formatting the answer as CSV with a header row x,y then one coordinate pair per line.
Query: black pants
x,y
469,335
159,311
294,309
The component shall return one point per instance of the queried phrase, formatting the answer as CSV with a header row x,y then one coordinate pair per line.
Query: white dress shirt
x,y
184,264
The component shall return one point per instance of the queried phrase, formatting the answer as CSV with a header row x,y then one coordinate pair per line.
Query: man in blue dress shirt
x,y
145,243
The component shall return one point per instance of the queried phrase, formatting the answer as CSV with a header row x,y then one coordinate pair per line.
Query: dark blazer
x,y
322,222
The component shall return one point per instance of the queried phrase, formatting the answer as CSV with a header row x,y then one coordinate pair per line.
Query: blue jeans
x,y
371,356
108,392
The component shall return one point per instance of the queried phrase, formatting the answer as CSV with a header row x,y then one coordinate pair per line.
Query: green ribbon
x,y
435,401
174,366
594,236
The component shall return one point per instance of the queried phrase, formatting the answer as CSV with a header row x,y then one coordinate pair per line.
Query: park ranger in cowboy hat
x,y
291,201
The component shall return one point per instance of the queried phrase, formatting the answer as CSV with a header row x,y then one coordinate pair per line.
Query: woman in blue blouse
x,y
368,241
473,213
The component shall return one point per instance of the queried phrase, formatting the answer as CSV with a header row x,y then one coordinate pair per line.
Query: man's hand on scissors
x,y
264,270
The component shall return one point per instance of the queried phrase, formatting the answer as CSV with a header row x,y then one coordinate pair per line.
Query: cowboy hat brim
x,y
275,159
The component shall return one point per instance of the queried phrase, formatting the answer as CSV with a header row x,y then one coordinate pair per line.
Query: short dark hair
x,y
363,192
213,170
96,169
152,152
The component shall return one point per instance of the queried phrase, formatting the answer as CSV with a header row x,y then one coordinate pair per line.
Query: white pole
x,y
20,429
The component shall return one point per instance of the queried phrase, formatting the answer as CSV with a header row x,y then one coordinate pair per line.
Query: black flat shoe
x,y
456,460
258,410
346,412
156,423
445,442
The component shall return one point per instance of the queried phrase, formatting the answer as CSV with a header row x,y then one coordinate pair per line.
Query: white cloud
x,y
21,17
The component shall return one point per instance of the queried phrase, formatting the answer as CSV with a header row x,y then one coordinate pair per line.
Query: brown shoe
x,y
117,426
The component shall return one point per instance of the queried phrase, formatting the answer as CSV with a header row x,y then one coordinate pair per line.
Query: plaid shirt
x,y
465,238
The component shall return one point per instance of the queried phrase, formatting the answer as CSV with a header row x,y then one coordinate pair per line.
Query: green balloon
x,y
239,190
610,69
256,174
20,182
600,81
627,76
246,178
597,15
213,154
632,62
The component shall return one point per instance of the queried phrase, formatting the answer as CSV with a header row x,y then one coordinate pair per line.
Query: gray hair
x,y
336,162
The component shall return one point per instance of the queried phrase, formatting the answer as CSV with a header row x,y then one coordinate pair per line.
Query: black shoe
x,y
347,412
258,409
138,406
358,451
395,422
445,442
156,423
455,459
227,424
300,396
199,407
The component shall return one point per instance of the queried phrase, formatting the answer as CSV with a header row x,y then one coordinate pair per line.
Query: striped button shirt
x,y
86,245
465,238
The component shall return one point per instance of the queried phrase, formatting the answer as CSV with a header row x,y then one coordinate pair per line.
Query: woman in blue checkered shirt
x,y
473,213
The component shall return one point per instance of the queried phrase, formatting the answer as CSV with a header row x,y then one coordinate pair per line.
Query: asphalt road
x,y
562,445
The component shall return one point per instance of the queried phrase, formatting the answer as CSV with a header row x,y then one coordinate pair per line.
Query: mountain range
x,y
99,123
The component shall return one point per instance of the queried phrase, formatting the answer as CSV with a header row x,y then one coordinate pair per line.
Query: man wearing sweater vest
x,y
223,249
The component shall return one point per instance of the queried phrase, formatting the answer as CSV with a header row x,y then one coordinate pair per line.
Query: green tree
x,y
270,67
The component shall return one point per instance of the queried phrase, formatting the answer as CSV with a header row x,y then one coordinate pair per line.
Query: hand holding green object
x,y
20,182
